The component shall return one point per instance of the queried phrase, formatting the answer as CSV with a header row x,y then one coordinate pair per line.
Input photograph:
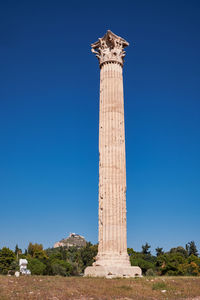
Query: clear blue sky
x,y
49,89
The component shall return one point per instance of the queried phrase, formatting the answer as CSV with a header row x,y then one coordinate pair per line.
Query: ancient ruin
x,y
112,259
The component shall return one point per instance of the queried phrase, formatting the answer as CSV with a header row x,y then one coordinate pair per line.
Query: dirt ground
x,y
62,288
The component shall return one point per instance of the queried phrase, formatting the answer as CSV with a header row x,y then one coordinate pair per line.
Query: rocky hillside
x,y
72,240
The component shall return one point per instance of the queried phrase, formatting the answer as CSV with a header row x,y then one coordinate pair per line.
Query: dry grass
x,y
62,288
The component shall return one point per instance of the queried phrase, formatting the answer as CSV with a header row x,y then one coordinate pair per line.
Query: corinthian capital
x,y
110,48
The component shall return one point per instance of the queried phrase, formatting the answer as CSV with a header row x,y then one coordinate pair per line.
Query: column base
x,y
113,271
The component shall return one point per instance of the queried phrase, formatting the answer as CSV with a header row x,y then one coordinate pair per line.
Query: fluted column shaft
x,y
112,166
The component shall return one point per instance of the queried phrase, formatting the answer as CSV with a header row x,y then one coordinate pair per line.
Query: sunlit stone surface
x,y
112,259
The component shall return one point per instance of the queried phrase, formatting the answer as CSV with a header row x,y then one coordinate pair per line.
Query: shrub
x,y
150,272
142,263
58,269
36,266
61,267
159,286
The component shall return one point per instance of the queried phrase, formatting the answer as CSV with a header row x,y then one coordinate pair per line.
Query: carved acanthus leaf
x,y
110,48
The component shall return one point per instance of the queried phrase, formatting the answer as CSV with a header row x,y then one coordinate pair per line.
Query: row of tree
x,y
72,261
178,261
53,261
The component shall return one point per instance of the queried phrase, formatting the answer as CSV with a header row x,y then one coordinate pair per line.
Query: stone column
x,y
112,259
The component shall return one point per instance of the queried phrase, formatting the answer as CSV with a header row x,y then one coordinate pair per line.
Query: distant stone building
x,y
72,240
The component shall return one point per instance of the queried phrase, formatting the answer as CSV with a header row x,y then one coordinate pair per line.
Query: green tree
x,y
61,267
36,251
14,266
142,263
159,251
180,250
55,256
7,256
32,248
88,254
36,266
130,251
191,248
194,258
193,269
169,264
18,251
145,249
